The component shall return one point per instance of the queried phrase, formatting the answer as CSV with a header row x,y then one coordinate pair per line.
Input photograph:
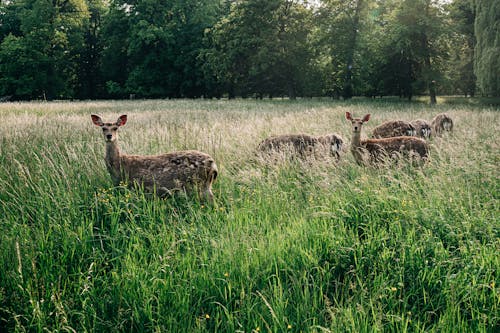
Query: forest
x,y
115,49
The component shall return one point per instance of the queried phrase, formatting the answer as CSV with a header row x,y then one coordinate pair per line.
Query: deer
x,y
162,174
377,150
333,142
303,145
393,128
441,123
423,128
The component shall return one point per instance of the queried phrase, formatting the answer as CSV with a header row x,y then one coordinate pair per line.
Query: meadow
x,y
289,246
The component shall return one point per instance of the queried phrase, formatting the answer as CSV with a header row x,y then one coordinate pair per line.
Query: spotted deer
x,y
442,123
160,174
393,128
303,145
423,128
377,150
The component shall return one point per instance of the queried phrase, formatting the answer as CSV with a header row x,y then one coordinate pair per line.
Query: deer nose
x,y
355,128
109,136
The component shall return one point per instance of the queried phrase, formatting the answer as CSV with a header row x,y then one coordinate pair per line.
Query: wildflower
x,y
202,206
226,274
394,289
207,316
289,327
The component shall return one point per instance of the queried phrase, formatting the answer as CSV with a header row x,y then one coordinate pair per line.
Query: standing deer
x,y
377,150
160,174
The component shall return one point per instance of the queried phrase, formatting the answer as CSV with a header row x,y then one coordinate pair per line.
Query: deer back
x,y
393,128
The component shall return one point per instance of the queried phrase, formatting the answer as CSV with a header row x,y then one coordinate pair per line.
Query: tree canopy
x,y
89,49
487,55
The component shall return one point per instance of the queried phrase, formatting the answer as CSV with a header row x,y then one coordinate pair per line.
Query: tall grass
x,y
313,246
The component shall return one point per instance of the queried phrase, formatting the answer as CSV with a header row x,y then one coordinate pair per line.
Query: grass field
x,y
289,246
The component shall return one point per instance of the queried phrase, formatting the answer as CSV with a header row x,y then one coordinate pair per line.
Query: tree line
x,y
91,49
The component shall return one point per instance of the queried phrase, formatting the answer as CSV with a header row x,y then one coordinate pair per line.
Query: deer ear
x,y
348,115
122,120
366,118
96,120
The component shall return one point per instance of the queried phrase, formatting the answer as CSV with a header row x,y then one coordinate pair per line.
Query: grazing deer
x,y
441,123
303,145
377,150
160,174
423,128
393,128
333,142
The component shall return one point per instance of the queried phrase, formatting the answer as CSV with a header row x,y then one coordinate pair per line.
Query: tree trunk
x,y
348,90
428,62
291,91
432,92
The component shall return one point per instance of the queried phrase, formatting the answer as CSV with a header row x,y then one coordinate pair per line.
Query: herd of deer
x,y
193,170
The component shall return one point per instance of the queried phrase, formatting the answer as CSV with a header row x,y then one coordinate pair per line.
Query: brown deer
x,y
441,123
159,174
393,128
423,128
378,150
333,142
303,145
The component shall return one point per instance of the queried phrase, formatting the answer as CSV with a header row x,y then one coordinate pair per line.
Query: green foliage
x,y
341,26
89,81
154,49
19,65
459,69
155,52
114,53
45,51
486,59
414,48
260,47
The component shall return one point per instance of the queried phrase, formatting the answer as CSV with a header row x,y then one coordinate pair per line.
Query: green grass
x,y
289,247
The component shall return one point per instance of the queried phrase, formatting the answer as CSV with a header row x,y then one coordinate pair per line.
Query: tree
x,y
260,47
156,49
42,49
459,68
415,48
114,67
487,55
89,79
342,24
155,45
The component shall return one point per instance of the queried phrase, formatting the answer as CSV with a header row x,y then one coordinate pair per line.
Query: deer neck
x,y
356,140
113,160
356,147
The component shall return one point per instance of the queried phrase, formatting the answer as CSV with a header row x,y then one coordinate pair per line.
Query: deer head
x,y
109,130
357,123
